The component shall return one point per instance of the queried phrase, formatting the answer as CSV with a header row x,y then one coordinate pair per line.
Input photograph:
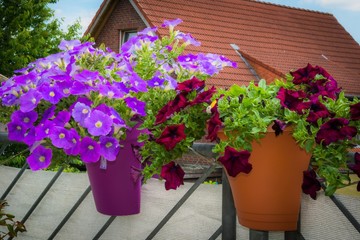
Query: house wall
x,y
123,17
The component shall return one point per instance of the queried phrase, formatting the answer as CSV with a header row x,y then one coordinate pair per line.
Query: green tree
x,y
29,30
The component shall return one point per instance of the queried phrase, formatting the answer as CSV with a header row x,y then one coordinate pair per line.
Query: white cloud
x,y
351,5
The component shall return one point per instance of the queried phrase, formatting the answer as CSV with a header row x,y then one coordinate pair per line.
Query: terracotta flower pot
x,y
115,190
269,197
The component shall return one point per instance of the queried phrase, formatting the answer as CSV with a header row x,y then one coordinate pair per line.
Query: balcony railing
x,y
58,206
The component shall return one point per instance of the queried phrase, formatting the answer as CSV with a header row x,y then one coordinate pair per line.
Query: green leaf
x,y
235,90
330,190
262,84
309,145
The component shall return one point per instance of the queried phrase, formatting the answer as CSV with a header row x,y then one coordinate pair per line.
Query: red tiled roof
x,y
280,37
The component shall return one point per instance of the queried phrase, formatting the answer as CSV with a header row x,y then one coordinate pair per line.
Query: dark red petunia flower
x,y
171,136
323,72
323,87
179,102
214,124
190,85
310,183
173,175
355,111
278,127
356,167
164,113
204,96
304,75
334,130
293,100
235,161
317,110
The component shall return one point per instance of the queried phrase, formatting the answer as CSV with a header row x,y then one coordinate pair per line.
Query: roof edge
x,y
93,27
296,8
141,14
271,69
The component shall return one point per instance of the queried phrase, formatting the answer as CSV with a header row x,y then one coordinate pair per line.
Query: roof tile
x,y
280,37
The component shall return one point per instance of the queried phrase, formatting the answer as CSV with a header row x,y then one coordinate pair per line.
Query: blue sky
x,y
347,12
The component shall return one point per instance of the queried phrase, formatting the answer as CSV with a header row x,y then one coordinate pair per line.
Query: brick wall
x,y
123,17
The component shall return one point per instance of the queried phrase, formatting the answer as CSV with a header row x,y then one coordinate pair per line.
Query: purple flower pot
x,y
115,190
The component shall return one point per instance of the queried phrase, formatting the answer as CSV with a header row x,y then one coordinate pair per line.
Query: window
x,y
126,35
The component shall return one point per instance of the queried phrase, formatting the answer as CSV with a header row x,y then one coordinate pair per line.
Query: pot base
x,y
270,222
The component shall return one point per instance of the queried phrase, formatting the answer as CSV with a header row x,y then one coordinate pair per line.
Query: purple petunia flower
x,y
30,100
136,105
83,100
173,175
68,44
110,91
109,147
334,130
30,137
171,23
62,118
39,158
27,118
188,39
117,120
25,79
79,88
86,76
60,137
64,87
122,87
89,150
48,113
98,123
43,130
137,84
148,31
50,93
9,100
76,144
235,161
156,81
80,112
16,131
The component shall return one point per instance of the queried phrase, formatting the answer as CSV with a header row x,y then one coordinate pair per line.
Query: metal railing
x,y
227,228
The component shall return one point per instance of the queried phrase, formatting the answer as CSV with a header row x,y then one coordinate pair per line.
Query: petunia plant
x,y
81,101
324,123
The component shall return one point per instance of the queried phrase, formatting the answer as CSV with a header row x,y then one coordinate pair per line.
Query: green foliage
x,y
28,32
247,112
9,227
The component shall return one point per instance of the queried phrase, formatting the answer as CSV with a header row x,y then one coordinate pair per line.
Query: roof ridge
x,y
285,6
